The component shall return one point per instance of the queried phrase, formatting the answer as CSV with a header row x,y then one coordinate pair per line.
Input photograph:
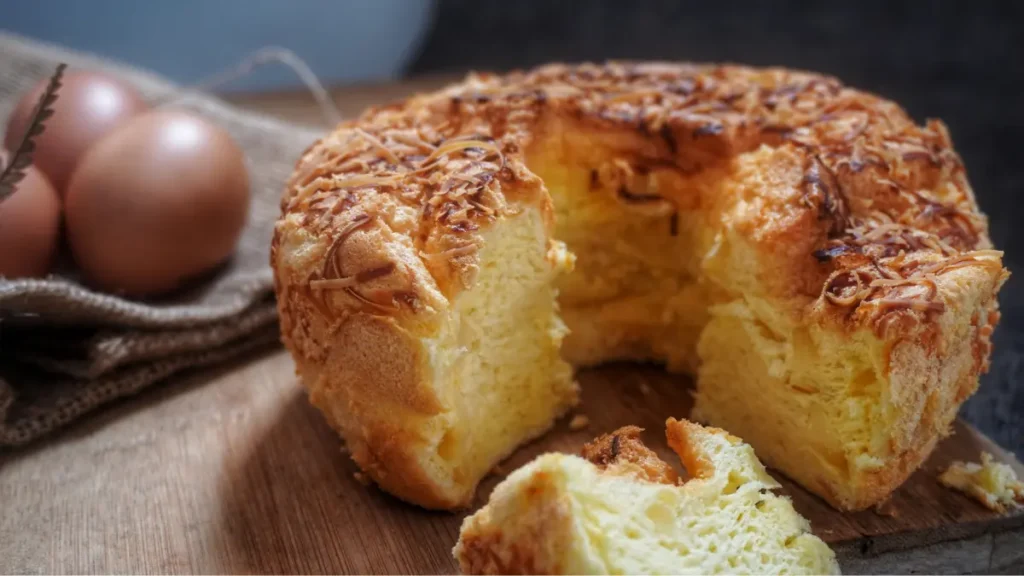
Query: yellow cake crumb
x,y
886,508
579,422
992,483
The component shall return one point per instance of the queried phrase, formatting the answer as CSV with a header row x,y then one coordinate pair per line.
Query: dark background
x,y
962,62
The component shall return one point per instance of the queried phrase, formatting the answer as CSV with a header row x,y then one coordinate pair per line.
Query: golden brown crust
x,y
623,452
683,437
533,550
370,403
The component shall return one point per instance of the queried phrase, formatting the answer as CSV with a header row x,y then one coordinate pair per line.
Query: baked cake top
x,y
882,209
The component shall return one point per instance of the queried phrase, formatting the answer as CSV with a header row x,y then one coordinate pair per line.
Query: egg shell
x,y
89,105
29,227
160,200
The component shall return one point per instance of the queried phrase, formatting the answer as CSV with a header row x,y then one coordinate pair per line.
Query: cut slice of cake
x,y
620,509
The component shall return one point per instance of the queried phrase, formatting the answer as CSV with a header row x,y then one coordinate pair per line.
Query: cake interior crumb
x,y
994,484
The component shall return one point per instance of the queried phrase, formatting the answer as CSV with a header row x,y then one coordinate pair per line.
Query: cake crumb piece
x,y
887,508
645,389
361,478
579,422
992,483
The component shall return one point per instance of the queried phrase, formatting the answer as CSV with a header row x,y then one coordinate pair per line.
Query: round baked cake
x,y
815,258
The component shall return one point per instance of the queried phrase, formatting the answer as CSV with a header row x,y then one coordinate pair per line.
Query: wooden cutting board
x,y
234,472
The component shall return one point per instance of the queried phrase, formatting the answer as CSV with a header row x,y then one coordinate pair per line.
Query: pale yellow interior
x,y
633,294
727,523
499,352
682,285
688,295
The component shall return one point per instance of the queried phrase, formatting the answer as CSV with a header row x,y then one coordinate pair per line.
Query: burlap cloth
x,y
66,349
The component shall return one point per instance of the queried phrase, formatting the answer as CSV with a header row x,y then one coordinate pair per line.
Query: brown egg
x,y
88,106
29,226
156,202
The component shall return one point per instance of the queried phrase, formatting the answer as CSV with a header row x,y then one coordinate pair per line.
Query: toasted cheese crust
x,y
875,183
860,220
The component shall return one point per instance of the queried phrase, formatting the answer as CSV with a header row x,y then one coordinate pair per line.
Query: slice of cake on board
x,y
620,509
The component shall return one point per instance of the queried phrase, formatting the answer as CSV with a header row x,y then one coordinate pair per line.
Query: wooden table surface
x,y
231,470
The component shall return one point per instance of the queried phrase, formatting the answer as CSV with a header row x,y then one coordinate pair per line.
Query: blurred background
x,y
962,61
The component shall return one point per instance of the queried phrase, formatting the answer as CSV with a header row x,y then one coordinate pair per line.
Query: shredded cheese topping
x,y
891,197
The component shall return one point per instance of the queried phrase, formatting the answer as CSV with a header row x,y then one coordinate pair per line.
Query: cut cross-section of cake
x,y
622,510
